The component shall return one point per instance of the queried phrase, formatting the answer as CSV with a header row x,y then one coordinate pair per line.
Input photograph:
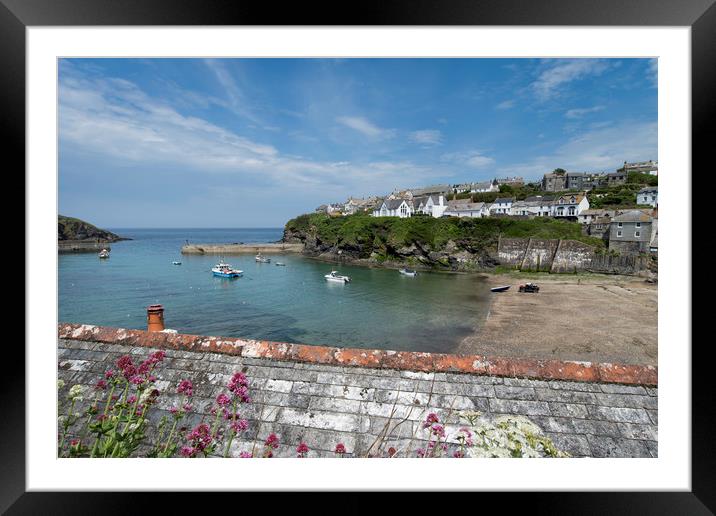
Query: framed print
x,y
422,232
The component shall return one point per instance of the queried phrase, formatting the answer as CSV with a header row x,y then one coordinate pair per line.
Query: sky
x,y
254,142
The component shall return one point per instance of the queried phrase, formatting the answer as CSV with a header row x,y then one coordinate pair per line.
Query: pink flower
x,y
391,451
438,430
458,454
222,399
157,356
239,426
200,437
187,451
187,407
131,399
185,387
432,418
302,450
173,410
124,362
272,441
245,455
108,374
340,449
101,385
420,452
137,379
74,442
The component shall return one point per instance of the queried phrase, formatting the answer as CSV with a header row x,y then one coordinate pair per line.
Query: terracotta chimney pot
x,y
155,318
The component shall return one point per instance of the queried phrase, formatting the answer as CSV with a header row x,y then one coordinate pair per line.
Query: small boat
x,y
500,289
334,276
281,264
104,253
408,272
262,259
224,270
176,263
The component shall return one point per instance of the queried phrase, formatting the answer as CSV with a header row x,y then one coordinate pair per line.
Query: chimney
x,y
155,318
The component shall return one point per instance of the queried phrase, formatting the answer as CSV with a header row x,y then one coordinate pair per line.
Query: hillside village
x,y
619,207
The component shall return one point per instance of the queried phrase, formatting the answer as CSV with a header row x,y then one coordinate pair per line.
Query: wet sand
x,y
596,318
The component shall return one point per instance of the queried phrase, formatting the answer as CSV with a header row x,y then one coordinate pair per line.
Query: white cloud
x,y
113,121
427,137
474,159
601,149
580,112
365,127
550,81
506,104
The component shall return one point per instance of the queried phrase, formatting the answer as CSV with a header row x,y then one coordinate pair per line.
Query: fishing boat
x,y
334,276
500,289
408,272
104,253
281,264
262,259
224,270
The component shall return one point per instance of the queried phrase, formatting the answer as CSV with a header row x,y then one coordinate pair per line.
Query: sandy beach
x,y
584,317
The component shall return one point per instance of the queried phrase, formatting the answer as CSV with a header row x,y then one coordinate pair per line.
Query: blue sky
x,y
254,142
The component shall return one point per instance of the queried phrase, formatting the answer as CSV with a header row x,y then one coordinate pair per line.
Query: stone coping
x,y
374,358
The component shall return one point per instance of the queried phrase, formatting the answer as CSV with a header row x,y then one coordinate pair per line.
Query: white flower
x,y
75,393
60,384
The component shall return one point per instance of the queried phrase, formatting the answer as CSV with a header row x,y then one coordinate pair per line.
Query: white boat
x,y
408,272
334,276
224,270
104,253
262,259
176,263
281,264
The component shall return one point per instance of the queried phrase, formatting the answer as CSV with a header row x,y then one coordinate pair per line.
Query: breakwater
x,y
227,249
79,246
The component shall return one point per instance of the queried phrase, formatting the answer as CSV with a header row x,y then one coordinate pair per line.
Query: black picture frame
x,y
700,15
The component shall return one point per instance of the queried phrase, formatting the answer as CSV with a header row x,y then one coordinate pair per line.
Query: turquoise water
x,y
380,308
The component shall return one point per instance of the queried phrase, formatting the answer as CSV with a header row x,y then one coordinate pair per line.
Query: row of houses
x,y
560,180
568,205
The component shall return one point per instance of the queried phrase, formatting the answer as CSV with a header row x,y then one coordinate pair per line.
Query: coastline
x,y
582,317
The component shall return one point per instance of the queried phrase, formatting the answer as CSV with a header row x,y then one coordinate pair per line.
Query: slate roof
x,y
633,216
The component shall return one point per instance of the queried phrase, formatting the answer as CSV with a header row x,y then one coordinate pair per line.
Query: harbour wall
x,y
276,248
561,256
79,246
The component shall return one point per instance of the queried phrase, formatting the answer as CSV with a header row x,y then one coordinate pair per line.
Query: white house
x,y
465,208
402,208
502,205
433,205
526,208
487,186
648,195
570,205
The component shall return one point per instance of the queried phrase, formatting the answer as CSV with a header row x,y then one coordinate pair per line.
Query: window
x,y
619,224
619,233
637,233
638,224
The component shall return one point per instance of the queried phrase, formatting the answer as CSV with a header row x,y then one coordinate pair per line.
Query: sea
x,y
379,308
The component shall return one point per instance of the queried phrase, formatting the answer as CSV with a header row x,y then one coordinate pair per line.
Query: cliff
x,y
457,244
69,228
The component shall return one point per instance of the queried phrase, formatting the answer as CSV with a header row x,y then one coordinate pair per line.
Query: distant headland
x,y
75,235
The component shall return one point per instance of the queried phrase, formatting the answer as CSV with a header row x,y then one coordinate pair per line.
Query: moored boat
x,y
224,270
335,277
280,264
176,263
500,289
262,259
104,253
408,272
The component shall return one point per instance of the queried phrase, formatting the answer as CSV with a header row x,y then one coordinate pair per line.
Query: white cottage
x,y
465,208
501,206
648,195
570,205
402,208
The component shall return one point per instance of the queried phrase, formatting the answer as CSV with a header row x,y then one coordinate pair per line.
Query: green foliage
x,y
642,179
380,234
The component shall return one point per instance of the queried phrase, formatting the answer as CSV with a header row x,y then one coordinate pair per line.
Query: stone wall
x,y
326,396
564,256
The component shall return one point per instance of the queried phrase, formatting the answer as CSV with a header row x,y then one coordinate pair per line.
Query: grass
x,y
381,233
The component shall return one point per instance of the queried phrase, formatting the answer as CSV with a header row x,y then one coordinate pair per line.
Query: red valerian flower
x,y
431,419
222,399
391,451
340,449
101,385
302,450
185,387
